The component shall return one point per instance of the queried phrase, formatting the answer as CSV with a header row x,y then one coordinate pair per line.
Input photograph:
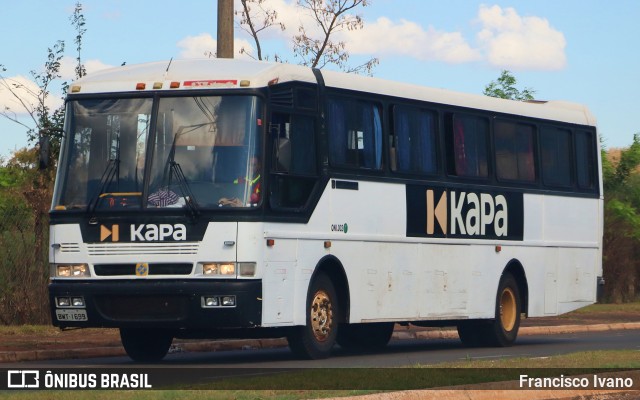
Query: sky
x,y
584,51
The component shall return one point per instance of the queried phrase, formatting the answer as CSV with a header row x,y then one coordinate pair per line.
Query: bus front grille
x,y
154,269
142,308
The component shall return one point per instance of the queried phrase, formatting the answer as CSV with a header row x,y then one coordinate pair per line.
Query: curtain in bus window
x,y
337,124
425,153
403,139
355,133
470,146
303,155
514,151
377,126
556,156
585,161
459,149
372,129
415,137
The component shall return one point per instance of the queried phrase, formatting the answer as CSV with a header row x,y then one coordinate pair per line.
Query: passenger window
x,y
555,145
467,139
355,133
585,159
413,148
514,151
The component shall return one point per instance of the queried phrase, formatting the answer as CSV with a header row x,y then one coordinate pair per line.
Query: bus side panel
x,y
564,231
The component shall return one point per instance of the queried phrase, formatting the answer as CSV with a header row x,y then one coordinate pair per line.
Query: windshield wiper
x,y
110,172
187,193
175,169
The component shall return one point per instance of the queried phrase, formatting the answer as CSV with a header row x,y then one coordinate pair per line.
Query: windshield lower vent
x,y
130,269
69,247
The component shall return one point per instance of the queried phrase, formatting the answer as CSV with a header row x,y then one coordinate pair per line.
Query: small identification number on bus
x,y
71,315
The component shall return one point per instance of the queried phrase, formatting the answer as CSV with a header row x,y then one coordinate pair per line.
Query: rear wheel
x,y
145,345
316,339
503,329
365,336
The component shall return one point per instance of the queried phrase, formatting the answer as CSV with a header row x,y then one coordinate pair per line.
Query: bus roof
x,y
233,73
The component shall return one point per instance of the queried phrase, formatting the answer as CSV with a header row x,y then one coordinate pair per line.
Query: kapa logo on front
x,y
158,232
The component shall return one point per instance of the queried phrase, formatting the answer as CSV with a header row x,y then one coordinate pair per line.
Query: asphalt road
x,y
278,369
399,353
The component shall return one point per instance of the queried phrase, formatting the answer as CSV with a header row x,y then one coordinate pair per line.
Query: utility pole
x,y
225,29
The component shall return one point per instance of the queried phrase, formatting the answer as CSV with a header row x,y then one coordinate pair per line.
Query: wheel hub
x,y
321,316
508,309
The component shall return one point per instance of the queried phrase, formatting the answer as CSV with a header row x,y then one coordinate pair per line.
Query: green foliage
x,y
505,88
78,22
25,191
621,253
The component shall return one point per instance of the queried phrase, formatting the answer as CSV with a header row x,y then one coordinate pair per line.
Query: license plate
x,y
72,315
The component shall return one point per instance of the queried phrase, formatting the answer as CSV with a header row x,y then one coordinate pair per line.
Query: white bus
x,y
228,198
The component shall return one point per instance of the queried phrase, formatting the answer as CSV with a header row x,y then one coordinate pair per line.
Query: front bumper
x,y
162,304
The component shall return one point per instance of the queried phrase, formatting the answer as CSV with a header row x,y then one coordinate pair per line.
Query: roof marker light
x,y
174,85
245,83
273,81
157,85
140,86
75,89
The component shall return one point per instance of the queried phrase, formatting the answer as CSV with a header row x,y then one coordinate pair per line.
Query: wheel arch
x,y
332,267
515,268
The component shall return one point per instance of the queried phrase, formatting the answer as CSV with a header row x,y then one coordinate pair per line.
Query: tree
x,y
25,191
504,88
255,18
46,124
315,46
36,103
78,22
621,241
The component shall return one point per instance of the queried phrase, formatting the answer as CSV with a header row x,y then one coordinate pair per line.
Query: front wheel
x,y
145,345
316,339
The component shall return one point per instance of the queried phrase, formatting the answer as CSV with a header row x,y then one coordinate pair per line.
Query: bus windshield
x,y
197,152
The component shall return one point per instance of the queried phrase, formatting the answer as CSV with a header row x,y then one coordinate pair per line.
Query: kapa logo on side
x,y
469,214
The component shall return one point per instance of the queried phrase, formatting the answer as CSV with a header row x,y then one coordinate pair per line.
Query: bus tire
x,y
503,330
145,345
316,339
373,336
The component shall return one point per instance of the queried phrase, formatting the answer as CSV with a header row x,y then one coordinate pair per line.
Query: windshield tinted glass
x,y
104,154
204,154
213,142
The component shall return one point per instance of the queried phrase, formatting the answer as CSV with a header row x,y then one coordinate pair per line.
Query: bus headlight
x,y
219,269
69,271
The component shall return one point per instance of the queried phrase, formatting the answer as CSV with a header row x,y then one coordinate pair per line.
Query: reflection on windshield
x,y
212,140
205,154
104,154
